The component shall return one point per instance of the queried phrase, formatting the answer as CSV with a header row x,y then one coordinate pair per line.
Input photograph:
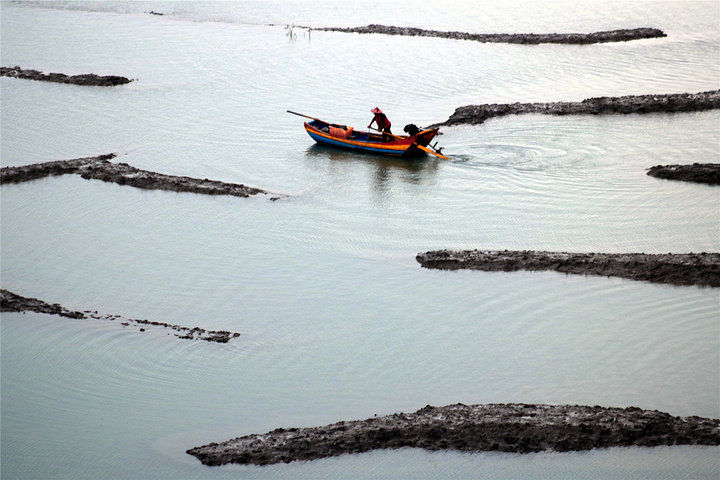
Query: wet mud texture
x,y
668,103
513,428
519,38
100,168
701,269
11,302
697,172
89,79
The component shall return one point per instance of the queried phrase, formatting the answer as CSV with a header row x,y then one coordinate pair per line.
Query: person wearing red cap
x,y
382,121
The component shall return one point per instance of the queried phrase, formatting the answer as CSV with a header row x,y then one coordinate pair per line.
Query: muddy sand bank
x,y
701,269
100,168
667,103
517,38
11,302
89,79
512,428
708,173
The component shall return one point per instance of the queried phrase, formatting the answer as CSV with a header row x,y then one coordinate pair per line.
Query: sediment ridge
x,y
666,103
517,38
100,168
702,269
511,428
11,302
708,173
89,79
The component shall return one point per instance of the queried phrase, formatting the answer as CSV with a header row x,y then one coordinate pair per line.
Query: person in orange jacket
x,y
382,121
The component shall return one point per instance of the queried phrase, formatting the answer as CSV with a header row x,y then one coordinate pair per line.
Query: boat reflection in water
x,y
384,171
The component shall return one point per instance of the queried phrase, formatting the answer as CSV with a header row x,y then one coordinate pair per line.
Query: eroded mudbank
x,y
521,38
11,302
697,172
668,103
89,79
100,168
674,268
513,428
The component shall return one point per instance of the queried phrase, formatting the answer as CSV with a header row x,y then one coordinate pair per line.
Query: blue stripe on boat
x,y
335,143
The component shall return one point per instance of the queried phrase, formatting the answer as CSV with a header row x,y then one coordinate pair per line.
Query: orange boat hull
x,y
341,136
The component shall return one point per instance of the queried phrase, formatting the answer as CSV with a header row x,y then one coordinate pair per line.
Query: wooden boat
x,y
342,136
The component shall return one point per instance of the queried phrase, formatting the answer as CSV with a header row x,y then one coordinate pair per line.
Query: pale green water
x,y
339,322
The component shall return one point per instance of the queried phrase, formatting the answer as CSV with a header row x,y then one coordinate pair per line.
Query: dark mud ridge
x,y
697,172
100,168
521,38
668,103
10,302
675,268
512,428
89,79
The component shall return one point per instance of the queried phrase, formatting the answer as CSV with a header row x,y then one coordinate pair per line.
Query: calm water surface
x,y
338,320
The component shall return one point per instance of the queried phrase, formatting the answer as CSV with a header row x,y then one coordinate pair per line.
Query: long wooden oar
x,y
316,119
306,116
301,115
386,133
429,150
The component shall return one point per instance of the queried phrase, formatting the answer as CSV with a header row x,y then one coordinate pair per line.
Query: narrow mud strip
x,y
668,103
88,80
100,168
512,428
702,269
697,172
518,38
10,302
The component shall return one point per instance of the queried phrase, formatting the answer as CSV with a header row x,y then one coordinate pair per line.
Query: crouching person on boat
x,y
383,123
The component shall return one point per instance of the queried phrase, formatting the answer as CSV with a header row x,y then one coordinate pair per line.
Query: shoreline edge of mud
x,y
13,303
707,173
640,104
622,35
85,80
100,168
701,269
508,428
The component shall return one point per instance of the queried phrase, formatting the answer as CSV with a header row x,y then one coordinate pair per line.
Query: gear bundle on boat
x,y
415,143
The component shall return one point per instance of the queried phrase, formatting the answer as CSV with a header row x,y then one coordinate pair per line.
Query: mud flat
x,y
667,103
520,38
11,302
100,168
89,79
512,428
701,269
697,172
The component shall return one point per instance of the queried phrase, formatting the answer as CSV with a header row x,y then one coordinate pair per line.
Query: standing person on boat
x,y
382,121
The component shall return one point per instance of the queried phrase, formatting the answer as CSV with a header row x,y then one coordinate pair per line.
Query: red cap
x,y
376,110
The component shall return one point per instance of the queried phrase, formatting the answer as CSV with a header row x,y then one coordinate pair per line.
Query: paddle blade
x,y
429,150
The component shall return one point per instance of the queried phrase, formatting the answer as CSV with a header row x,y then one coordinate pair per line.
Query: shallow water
x,y
338,320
